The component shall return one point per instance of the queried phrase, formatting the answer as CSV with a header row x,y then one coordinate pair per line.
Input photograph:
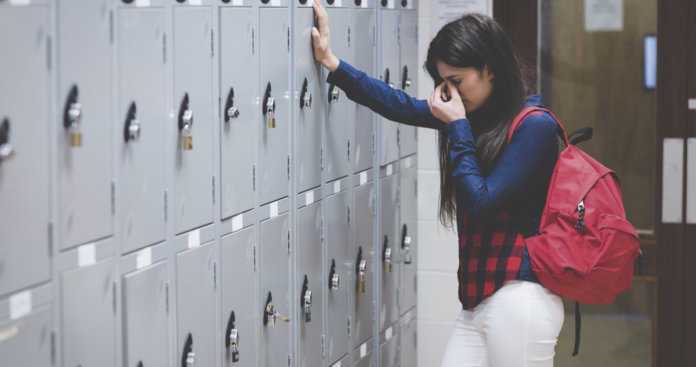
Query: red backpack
x,y
586,247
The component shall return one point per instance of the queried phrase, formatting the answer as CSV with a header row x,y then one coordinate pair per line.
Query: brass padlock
x,y
388,260
75,116
361,276
188,141
187,122
270,113
76,139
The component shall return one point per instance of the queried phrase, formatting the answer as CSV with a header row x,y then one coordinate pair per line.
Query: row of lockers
x,y
167,167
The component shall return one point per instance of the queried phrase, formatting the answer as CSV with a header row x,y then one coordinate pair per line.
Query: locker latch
x,y
270,313
6,150
231,112
269,107
361,271
387,255
406,80
333,93
386,78
132,129
334,280
305,96
185,123
306,300
72,118
188,357
406,244
232,338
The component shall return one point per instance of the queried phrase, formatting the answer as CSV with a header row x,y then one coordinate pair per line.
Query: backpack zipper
x,y
581,217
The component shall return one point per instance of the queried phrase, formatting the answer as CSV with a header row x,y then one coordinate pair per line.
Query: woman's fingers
x,y
322,17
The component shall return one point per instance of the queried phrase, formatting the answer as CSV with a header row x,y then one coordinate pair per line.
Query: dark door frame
x,y
674,336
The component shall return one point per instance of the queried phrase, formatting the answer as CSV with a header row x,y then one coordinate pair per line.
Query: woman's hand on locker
x,y
321,38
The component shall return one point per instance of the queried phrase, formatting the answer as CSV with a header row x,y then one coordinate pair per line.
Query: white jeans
x,y
517,326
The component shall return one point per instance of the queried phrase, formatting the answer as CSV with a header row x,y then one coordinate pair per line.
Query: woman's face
x,y
474,86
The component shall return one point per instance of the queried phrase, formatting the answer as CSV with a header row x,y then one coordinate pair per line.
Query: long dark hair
x,y
477,41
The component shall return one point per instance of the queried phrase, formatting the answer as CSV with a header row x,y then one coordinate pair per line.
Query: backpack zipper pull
x,y
581,217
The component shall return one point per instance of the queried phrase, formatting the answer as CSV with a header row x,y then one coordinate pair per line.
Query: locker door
x,y
338,106
338,261
274,111
365,361
141,126
309,278
193,104
238,89
388,248
409,237
84,133
389,349
409,343
408,47
363,28
389,73
309,101
195,282
145,316
240,313
24,116
89,315
275,290
26,340
363,251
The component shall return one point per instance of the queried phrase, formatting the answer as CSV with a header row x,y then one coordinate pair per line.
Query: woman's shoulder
x,y
538,124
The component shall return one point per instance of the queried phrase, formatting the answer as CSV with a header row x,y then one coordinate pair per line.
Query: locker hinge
x,y
111,26
398,298
348,325
288,167
373,312
165,205
113,296
53,347
349,36
323,345
113,198
50,239
398,137
398,34
321,228
214,274
288,241
164,47
374,143
349,150
321,157
253,178
374,35
415,190
254,257
374,207
166,295
213,189
48,52
253,41
288,39
415,283
212,43
348,215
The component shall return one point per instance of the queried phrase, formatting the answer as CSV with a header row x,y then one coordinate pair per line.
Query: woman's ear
x,y
486,73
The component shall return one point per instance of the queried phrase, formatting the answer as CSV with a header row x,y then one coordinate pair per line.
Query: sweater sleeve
x,y
532,153
394,104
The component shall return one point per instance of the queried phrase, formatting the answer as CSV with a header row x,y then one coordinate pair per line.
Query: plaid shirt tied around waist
x,y
490,254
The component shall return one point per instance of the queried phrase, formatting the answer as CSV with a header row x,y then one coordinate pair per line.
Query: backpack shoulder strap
x,y
534,111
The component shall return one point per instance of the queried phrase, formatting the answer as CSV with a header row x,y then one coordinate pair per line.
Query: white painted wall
x,y
438,306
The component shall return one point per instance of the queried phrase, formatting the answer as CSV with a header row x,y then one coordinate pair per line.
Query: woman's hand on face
x,y
322,46
446,105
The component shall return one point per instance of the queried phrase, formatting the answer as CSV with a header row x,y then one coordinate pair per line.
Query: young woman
x,y
495,191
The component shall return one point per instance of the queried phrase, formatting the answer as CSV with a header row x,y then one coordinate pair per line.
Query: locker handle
x,y
406,81
404,3
305,96
72,117
232,338
269,107
406,244
386,78
358,2
231,112
131,130
306,300
186,122
361,270
6,149
333,93
334,279
188,358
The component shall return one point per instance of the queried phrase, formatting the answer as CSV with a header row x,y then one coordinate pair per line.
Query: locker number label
x,y
309,198
194,239
337,186
274,209
20,305
363,350
237,222
388,333
143,258
86,255
363,178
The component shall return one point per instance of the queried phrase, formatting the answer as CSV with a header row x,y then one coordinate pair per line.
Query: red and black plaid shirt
x,y
490,254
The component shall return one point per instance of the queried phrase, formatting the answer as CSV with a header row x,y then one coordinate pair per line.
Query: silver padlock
x,y
233,112
388,259
362,271
134,129
407,82
234,344
308,305
407,250
75,117
191,359
307,100
335,281
334,94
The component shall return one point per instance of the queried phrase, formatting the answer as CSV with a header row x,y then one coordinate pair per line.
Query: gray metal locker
x,y
310,285
409,340
24,168
26,341
389,348
274,158
275,292
409,236
141,125
85,156
363,30
193,120
338,261
195,299
308,100
146,317
239,89
408,49
240,309
339,109
389,73
364,254
388,252
89,315
363,354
